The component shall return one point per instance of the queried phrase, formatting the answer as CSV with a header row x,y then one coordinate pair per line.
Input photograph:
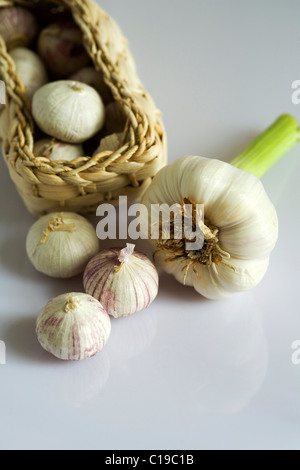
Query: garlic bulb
x,y
30,69
18,27
69,111
61,47
115,118
73,327
61,244
124,281
57,151
240,225
95,79
110,143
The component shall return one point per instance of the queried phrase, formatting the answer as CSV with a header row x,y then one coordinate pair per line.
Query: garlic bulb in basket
x,y
57,151
30,69
18,27
61,244
124,281
69,111
95,79
73,327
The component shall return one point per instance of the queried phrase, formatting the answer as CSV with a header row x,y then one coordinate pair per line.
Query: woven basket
x,y
87,182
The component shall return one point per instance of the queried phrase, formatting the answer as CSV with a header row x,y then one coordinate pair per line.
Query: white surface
x,y
187,373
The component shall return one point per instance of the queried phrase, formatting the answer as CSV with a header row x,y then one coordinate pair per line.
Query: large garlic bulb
x,y
30,69
73,327
61,244
69,111
240,231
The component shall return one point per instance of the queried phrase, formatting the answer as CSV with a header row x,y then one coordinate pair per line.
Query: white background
x,y
187,373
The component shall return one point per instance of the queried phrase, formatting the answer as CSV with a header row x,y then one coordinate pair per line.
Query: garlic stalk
x,y
240,226
124,281
73,327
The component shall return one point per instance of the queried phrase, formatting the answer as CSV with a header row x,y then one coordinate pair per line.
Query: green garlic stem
x,y
269,147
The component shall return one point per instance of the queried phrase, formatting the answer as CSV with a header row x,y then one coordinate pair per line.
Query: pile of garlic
x,y
73,108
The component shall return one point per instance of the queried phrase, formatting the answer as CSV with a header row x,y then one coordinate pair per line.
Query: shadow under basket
x,y
81,185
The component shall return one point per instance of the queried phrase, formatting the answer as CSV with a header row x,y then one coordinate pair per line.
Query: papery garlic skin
x,y
73,327
57,151
60,245
110,143
68,111
237,205
61,47
95,79
18,27
30,69
124,281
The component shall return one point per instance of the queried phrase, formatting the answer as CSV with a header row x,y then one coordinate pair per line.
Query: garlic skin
x,y
60,245
111,143
57,151
30,69
18,27
69,111
95,79
235,204
73,327
124,281
61,47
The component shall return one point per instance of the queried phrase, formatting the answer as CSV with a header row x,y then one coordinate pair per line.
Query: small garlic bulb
x,y
69,111
61,47
110,143
124,281
61,244
73,327
30,69
95,79
57,151
18,27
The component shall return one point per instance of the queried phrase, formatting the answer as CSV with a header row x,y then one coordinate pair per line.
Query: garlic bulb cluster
x,y
68,111
73,327
95,79
124,281
110,143
57,151
18,27
240,231
30,69
61,244
61,47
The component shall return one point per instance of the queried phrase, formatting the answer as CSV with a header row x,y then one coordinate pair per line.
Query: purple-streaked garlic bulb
x,y
124,281
18,27
95,79
73,327
61,47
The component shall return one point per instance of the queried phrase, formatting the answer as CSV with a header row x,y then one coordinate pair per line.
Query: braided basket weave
x,y
82,185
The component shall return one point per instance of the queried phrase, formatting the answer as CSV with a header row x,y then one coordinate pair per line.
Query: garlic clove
x,y
71,112
30,69
110,143
124,281
73,327
18,27
61,47
60,245
94,79
57,151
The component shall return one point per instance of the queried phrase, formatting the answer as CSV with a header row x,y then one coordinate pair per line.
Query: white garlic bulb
x,y
124,281
109,143
69,111
30,69
61,244
57,151
241,226
18,27
95,79
73,327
